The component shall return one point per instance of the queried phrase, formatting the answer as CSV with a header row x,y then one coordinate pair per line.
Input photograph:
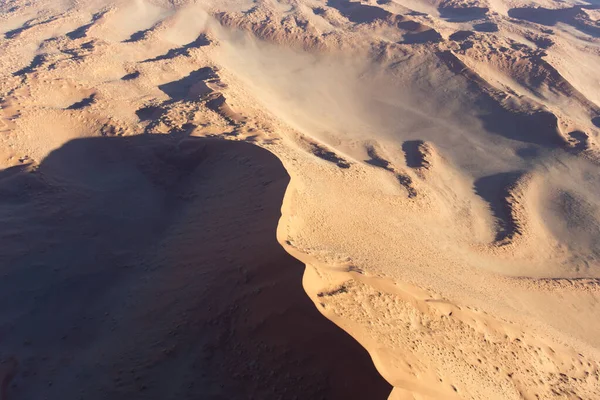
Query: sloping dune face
x,y
150,288
444,197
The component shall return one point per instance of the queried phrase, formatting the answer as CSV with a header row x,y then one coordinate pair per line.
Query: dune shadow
x,y
579,141
38,60
543,42
360,13
411,26
200,41
494,189
83,103
574,16
461,35
403,179
13,33
328,155
147,267
82,31
138,35
130,76
487,27
192,85
428,36
8,172
149,113
462,14
538,127
412,154
202,84
540,15
377,161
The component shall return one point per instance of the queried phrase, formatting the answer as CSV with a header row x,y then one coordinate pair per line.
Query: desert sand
x,y
300,199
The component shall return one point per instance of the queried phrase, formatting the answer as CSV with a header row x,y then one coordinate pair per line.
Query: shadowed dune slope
x,y
148,267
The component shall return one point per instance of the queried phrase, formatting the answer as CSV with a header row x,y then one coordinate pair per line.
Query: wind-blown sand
x,y
443,196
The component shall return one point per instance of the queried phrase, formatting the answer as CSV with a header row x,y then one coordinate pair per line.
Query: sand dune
x,y
149,288
169,166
